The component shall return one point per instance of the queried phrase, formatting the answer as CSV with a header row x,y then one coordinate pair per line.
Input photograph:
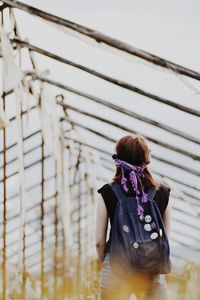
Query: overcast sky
x,y
167,28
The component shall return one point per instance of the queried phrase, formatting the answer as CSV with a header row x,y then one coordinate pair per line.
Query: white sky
x,y
169,29
166,28
144,24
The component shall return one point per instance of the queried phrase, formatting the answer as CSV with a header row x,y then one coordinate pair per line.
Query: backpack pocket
x,y
145,255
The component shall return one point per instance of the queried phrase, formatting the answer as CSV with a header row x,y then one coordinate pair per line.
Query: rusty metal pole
x,y
79,228
4,281
67,262
42,223
65,281
24,240
56,238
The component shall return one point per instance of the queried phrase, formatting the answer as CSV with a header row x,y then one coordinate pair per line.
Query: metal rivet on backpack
x,y
135,245
160,232
147,227
126,228
148,218
154,235
153,225
141,218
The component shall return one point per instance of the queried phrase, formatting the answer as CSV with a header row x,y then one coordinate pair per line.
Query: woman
x,y
135,152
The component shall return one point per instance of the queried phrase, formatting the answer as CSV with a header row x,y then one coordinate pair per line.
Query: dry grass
x,y
83,284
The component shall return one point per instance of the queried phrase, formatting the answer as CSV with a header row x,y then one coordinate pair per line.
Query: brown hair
x,y
135,151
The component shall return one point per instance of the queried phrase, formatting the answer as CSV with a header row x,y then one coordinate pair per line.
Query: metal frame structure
x,y
46,242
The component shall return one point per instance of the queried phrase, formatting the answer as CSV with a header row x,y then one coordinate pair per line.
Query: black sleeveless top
x,y
110,199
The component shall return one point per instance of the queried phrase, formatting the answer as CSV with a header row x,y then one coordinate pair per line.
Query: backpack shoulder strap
x,y
117,190
151,194
120,195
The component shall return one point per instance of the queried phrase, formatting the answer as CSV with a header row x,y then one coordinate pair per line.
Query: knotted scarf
x,y
135,175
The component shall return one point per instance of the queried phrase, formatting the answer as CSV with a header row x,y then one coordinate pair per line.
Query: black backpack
x,y
138,243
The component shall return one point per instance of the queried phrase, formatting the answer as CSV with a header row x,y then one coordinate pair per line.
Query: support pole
x,y
4,273
42,222
55,273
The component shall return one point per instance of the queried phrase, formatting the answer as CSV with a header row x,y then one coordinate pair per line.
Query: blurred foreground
x,y
82,283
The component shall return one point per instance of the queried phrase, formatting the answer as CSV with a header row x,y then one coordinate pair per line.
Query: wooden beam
x,y
121,110
180,107
117,82
113,140
112,80
102,38
109,154
107,160
95,116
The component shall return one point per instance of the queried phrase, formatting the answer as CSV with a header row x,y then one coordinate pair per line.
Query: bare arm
x,y
167,218
101,228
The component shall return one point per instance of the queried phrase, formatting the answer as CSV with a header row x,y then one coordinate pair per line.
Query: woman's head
x,y
133,150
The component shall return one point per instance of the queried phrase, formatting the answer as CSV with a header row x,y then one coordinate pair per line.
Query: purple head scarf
x,y
135,175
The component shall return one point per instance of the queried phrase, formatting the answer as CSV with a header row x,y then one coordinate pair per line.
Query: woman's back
x,y
110,199
134,180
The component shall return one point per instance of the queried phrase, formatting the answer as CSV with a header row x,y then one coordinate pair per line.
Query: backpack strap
x,y
120,195
117,190
151,194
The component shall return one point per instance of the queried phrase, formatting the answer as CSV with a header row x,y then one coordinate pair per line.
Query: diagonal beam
x,y
119,109
85,95
164,177
112,80
108,153
102,38
110,139
68,106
